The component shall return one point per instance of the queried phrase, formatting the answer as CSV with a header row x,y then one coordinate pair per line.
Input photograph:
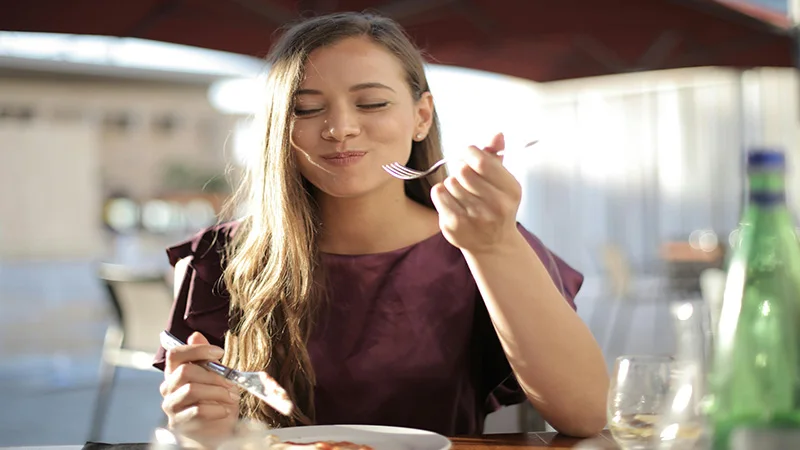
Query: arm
x,y
196,402
553,354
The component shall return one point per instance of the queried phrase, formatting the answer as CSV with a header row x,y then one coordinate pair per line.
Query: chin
x,y
352,189
351,185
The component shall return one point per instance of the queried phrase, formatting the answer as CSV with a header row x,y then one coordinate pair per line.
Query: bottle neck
x,y
766,188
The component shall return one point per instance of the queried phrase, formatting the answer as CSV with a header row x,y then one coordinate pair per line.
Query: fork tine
x,y
400,171
391,170
397,170
406,170
412,176
400,175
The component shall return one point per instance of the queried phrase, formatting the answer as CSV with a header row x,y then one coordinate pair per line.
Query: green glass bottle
x,y
755,380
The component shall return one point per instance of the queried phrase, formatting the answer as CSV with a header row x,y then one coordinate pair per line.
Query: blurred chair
x,y
141,302
618,269
617,320
618,276
685,260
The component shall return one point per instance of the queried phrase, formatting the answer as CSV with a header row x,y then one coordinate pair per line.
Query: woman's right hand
x,y
196,400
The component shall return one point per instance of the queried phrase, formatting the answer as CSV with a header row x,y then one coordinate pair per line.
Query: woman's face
x,y
354,112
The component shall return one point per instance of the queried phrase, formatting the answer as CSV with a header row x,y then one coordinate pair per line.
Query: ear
x,y
423,114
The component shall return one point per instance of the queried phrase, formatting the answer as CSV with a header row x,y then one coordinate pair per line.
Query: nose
x,y
340,125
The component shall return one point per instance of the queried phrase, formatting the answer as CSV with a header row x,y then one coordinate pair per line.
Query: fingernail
x,y
216,353
234,395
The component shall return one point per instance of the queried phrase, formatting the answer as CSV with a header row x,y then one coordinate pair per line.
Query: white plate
x,y
377,437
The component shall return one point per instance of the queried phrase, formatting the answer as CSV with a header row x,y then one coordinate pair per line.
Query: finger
x,y
204,412
445,203
193,374
476,184
490,168
197,338
471,204
195,394
191,353
497,143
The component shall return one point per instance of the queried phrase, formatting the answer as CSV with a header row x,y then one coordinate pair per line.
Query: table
x,y
551,440
486,442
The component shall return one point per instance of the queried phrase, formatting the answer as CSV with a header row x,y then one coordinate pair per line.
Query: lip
x,y
343,158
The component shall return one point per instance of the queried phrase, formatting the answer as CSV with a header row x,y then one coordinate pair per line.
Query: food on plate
x,y
277,444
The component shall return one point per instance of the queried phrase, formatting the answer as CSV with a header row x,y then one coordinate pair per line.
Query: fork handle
x,y
218,368
503,152
169,341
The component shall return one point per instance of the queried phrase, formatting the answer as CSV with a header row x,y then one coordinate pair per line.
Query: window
x,y
17,113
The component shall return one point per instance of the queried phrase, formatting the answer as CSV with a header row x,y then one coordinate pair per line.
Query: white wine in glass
x,y
637,398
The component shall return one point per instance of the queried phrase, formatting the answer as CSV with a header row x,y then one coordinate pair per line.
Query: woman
x,y
373,300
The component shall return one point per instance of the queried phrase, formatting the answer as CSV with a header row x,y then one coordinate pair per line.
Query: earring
x,y
419,136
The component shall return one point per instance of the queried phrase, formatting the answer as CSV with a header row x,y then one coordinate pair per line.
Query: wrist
x,y
509,244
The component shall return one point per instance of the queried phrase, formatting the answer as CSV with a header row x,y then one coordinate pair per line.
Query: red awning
x,y
542,40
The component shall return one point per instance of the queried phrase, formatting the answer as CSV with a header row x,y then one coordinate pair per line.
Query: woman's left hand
x,y
478,202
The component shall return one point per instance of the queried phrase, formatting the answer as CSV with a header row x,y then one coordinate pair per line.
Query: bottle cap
x,y
766,158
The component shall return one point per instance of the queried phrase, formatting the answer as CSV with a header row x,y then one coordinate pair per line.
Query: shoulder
x,y
201,297
208,244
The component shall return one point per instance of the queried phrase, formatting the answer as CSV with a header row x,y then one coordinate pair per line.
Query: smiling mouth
x,y
343,155
343,158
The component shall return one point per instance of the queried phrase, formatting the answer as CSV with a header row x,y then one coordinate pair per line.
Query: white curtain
x,y
640,159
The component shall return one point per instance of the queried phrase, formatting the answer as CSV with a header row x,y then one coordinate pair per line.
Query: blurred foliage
x,y
181,177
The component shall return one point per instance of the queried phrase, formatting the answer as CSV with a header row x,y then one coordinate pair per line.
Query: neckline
x,y
396,251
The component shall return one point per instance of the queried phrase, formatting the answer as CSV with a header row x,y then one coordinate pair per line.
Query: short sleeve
x,y
499,385
202,302
566,279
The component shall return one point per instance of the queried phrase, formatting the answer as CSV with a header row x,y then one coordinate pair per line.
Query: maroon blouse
x,y
405,340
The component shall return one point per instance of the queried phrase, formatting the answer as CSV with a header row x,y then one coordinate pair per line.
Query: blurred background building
x,y
75,142
113,148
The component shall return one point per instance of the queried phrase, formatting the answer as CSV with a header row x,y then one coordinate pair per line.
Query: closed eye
x,y
306,112
374,105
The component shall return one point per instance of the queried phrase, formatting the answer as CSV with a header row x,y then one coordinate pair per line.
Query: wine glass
x,y
638,396
683,423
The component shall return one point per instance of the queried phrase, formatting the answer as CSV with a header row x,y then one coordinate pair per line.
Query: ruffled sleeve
x,y
499,384
202,303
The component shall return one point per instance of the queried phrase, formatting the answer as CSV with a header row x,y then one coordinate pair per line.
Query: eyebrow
x,y
354,88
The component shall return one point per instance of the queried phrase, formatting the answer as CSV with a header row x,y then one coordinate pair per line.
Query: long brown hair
x,y
273,272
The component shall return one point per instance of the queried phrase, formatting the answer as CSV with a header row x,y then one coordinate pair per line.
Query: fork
x,y
402,172
257,383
